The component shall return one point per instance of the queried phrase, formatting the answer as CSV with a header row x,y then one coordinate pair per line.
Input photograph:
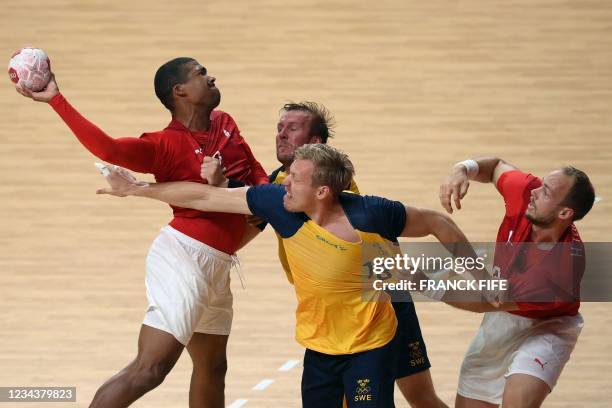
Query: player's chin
x,y
216,97
289,204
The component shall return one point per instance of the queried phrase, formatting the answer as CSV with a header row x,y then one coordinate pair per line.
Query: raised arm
x,y
133,153
482,169
182,194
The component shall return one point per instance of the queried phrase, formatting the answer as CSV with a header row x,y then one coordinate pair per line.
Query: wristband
x,y
471,167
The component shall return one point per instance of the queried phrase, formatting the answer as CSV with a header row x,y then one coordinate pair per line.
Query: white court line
x,y
289,365
597,199
238,403
262,385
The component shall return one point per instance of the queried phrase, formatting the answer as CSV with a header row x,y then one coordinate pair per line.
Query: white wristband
x,y
471,167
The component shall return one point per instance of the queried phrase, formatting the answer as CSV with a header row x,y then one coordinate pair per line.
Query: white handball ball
x,y
30,68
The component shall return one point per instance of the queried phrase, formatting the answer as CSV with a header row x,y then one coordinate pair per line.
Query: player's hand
x,y
122,182
454,188
212,172
43,96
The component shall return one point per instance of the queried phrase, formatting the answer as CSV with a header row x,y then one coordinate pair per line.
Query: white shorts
x,y
188,287
507,344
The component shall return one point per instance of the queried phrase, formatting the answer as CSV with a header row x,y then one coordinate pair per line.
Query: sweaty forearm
x,y
448,233
179,193
195,195
455,241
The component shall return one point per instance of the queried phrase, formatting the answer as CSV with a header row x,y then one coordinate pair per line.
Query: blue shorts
x,y
367,378
411,351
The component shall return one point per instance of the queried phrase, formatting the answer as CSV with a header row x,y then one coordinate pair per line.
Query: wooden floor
x,y
415,86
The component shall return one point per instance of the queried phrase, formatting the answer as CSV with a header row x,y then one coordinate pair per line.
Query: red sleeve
x,y
515,187
132,153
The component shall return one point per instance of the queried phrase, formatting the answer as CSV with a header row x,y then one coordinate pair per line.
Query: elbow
x,y
440,223
108,156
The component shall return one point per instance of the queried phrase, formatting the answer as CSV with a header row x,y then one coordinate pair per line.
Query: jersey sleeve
x,y
266,202
515,187
137,154
386,216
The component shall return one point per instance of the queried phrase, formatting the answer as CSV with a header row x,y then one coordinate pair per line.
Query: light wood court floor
x,y
414,85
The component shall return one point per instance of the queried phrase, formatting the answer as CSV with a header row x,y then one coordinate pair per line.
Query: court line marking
x,y
263,384
238,403
289,365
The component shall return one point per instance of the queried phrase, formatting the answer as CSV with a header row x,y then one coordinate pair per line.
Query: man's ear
x,y
566,213
323,191
178,90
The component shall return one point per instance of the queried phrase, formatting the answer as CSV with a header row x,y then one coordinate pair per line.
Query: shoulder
x,y
265,195
266,201
156,136
375,214
222,117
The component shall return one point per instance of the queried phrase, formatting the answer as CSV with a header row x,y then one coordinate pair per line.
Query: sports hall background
x,y
415,86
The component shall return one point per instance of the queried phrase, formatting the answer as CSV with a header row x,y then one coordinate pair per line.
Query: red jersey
x,y
544,279
176,154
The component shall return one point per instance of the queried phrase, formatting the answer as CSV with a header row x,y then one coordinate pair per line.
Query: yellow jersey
x,y
335,315
277,177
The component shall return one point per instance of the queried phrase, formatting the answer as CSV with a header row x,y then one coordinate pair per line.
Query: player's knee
x,y
215,370
219,369
146,376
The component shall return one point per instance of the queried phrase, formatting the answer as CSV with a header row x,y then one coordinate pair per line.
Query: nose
x,y
211,80
282,134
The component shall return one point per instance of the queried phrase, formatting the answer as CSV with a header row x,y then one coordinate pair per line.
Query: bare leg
x,y
418,389
525,391
208,353
464,402
158,351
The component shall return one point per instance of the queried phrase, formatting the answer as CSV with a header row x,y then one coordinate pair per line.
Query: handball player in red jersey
x,y
188,265
523,344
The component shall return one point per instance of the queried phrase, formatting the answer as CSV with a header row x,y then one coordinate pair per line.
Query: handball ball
x,y
30,68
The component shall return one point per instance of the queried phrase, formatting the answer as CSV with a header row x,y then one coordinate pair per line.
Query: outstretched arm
x,y
183,194
423,222
481,169
133,153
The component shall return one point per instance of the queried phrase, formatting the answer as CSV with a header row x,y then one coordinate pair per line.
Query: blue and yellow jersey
x,y
277,177
331,315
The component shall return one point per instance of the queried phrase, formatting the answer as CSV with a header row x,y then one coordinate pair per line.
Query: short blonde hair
x,y
332,167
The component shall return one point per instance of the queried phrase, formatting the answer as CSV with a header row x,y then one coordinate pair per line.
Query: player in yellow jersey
x,y
350,344
309,122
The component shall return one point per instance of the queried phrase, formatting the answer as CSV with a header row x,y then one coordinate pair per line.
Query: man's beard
x,y
540,221
285,159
